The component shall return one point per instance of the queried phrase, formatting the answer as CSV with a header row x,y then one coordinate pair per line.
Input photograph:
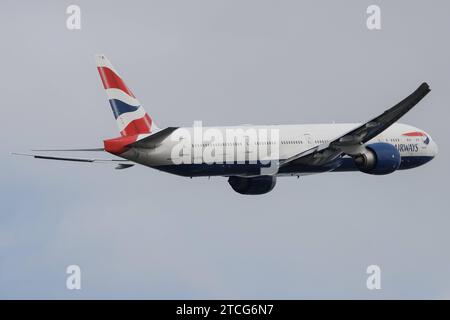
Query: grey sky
x,y
141,233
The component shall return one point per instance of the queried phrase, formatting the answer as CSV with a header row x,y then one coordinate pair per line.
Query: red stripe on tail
x,y
112,81
138,126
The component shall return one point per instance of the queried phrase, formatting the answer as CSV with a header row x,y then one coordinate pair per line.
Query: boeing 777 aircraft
x,y
252,157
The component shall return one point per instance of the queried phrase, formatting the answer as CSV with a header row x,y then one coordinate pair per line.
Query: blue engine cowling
x,y
256,185
380,158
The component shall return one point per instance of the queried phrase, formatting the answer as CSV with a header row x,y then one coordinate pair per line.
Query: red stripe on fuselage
x,y
414,134
112,81
138,126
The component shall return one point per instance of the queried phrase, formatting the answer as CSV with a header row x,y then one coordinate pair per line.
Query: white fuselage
x,y
202,147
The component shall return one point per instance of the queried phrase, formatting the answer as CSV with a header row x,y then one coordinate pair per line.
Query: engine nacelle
x,y
380,158
256,185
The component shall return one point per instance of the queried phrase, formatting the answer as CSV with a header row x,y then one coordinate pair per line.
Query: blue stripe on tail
x,y
119,107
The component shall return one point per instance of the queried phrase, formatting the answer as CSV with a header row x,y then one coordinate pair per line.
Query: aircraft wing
x,y
352,142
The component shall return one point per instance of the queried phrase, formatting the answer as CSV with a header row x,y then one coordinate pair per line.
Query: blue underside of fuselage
x,y
232,169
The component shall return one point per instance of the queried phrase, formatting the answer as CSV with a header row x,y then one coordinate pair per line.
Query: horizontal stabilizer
x,y
92,149
153,140
37,156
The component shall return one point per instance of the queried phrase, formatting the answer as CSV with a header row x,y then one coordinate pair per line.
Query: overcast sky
x,y
141,233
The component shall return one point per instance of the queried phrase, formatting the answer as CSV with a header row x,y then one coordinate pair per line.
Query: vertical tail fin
x,y
130,115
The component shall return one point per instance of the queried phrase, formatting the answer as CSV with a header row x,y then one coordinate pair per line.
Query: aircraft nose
x,y
434,149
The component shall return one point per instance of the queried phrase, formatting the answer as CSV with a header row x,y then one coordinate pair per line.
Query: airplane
x,y
379,146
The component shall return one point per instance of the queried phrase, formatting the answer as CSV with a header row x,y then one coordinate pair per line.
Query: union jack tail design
x,y
130,115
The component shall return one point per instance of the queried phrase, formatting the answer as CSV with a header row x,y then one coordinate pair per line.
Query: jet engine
x,y
379,158
256,185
